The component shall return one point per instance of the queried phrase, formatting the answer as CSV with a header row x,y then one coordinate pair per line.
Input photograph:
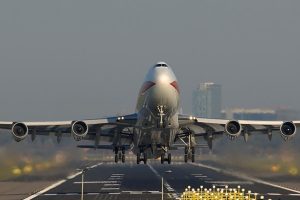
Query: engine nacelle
x,y
287,130
233,129
19,131
79,130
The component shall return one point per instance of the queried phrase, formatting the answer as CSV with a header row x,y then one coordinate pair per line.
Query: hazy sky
x,y
70,59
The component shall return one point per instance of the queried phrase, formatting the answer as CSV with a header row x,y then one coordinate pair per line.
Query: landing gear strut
x,y
119,154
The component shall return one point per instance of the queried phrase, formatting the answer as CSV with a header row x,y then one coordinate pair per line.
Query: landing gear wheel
x,y
193,150
116,158
138,158
186,150
145,159
123,150
169,158
185,158
193,157
162,158
123,158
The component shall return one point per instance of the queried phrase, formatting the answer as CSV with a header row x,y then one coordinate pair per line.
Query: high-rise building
x,y
207,100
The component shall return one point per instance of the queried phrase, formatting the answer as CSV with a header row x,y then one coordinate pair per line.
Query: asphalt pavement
x,y
132,181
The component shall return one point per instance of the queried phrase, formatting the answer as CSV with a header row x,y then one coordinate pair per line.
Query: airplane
x,y
155,129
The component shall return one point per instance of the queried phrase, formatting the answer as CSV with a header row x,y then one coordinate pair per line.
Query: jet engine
x,y
233,129
79,130
19,131
288,130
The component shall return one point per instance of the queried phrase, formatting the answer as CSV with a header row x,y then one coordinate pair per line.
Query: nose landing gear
x,y
142,156
163,156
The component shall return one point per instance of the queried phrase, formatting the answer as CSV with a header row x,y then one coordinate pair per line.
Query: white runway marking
x,y
196,174
109,193
245,177
113,178
54,185
294,195
109,184
174,194
45,190
111,188
202,176
231,182
97,182
141,192
274,194
115,182
73,176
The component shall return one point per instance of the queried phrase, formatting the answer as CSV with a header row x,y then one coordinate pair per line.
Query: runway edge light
x,y
222,193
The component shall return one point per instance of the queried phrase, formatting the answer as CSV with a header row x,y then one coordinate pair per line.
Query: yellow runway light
x,y
215,193
293,171
27,169
16,171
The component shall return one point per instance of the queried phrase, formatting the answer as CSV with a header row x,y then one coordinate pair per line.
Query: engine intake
x,y
19,131
233,129
288,130
79,130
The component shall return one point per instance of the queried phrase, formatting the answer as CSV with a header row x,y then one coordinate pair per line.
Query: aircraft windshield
x,y
161,65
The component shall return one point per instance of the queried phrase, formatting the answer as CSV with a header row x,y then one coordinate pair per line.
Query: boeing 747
x,y
155,129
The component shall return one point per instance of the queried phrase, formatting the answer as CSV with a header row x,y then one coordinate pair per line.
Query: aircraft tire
x,y
123,158
145,159
116,158
138,158
169,158
193,150
186,150
193,157
185,158
162,158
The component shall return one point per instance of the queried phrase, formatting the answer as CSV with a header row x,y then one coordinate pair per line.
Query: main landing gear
x,y
119,154
141,156
189,153
164,158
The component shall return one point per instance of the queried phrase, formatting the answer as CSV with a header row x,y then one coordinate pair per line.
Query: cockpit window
x,y
161,65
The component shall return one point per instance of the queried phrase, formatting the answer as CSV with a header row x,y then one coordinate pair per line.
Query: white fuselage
x,y
157,109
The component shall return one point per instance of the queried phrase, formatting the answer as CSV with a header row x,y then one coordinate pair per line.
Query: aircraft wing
x,y
90,129
211,128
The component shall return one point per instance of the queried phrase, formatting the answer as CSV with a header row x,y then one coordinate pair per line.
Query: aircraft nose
x,y
161,76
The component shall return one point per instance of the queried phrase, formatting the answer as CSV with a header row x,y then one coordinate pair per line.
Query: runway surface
x,y
132,181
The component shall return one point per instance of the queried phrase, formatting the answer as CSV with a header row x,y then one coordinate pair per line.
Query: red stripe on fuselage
x,y
146,86
175,85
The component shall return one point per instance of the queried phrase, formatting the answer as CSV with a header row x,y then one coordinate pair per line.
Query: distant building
x,y
250,114
207,100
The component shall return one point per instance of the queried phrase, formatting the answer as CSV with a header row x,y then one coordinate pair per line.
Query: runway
x,y
132,181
